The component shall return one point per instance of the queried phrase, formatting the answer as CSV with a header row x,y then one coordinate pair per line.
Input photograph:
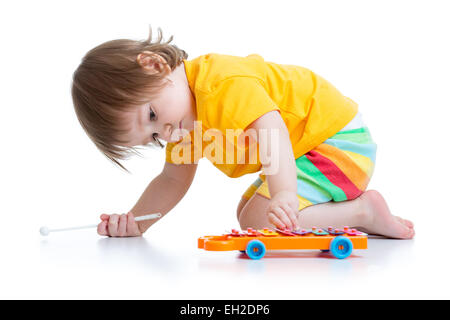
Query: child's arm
x,y
278,163
161,195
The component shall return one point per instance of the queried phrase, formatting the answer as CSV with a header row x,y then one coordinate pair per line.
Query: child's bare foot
x,y
379,219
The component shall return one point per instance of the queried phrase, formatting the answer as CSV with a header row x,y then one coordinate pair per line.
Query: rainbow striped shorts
x,y
339,169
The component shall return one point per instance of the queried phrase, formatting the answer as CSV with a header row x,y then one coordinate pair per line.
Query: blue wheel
x,y
341,247
255,249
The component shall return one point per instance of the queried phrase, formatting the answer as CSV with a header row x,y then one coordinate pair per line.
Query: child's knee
x,y
253,215
241,206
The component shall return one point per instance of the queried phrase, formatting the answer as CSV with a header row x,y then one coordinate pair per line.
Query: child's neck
x,y
178,75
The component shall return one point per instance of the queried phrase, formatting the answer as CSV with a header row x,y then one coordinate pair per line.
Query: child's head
x,y
128,93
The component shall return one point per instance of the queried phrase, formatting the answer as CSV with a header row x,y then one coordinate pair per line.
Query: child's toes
x,y
405,222
398,229
411,233
409,223
407,232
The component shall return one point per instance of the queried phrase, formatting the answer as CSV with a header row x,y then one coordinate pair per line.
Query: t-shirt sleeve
x,y
236,103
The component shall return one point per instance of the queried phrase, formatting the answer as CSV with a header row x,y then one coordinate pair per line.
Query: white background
x,y
392,57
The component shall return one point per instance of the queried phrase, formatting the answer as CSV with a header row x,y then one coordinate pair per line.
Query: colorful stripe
x,y
334,175
367,149
308,190
313,174
252,189
346,164
361,161
337,170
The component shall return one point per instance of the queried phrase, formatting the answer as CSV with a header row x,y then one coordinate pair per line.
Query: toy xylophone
x,y
340,242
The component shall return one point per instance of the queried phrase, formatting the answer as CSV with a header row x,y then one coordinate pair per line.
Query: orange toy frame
x,y
256,242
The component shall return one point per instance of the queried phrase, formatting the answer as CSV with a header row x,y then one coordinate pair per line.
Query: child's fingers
x,y
281,214
102,228
122,227
113,224
116,225
273,219
291,214
132,226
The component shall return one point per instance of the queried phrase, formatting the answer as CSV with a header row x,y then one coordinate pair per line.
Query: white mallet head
x,y
44,231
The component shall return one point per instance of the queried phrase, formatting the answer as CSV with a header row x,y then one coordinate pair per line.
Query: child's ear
x,y
153,63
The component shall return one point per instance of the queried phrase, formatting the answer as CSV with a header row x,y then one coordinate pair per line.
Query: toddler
x,y
313,151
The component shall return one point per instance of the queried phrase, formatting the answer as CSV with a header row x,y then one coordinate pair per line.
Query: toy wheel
x,y
341,247
255,249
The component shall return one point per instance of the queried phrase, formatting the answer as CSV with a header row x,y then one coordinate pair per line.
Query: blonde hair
x,y
109,81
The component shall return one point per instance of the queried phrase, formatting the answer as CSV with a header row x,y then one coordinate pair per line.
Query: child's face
x,y
173,108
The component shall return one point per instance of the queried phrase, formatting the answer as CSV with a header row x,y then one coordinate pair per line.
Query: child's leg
x,y
328,176
369,211
252,215
240,206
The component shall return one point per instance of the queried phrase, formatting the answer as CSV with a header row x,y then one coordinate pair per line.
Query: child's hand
x,y
282,210
118,225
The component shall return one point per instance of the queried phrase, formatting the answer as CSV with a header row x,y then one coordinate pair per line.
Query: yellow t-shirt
x,y
232,92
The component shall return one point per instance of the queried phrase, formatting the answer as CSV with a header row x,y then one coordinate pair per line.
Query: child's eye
x,y
152,115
